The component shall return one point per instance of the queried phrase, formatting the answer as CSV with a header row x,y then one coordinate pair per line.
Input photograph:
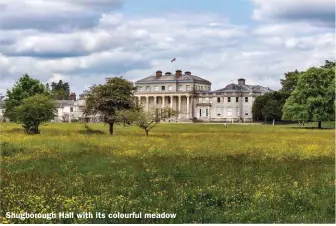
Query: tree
x,y
25,87
290,81
314,96
35,110
108,99
60,90
147,120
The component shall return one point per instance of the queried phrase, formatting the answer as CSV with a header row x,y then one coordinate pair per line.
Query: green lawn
x,y
202,172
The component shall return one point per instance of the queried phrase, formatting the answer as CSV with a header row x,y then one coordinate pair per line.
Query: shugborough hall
x,y
189,95
192,98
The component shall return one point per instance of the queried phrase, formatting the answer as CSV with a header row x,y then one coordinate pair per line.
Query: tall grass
x,y
203,173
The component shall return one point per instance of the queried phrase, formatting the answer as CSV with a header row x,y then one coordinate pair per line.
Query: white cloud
x,y
321,12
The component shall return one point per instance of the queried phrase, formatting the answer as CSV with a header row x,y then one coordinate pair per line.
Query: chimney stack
x,y
241,81
178,73
73,96
168,73
187,73
158,74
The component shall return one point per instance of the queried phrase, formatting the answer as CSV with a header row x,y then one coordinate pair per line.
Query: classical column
x,y
147,102
188,115
155,99
171,102
179,106
163,101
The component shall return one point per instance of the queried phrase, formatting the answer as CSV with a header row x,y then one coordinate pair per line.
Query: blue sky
x,y
85,41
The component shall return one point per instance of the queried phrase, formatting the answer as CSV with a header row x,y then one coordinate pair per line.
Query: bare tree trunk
x,y
111,128
147,131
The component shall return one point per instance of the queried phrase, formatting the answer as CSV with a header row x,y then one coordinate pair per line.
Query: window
x,y
237,99
147,88
218,111
237,111
140,88
246,99
246,111
199,88
71,109
218,99
188,87
229,99
229,112
200,111
170,88
156,88
206,112
163,88
180,88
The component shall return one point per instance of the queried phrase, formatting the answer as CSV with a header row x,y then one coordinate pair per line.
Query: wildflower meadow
x,y
203,173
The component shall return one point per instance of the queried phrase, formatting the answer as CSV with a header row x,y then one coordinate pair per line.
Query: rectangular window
x,y
156,88
163,88
237,99
140,89
188,87
147,88
218,99
246,111
229,112
180,88
200,111
71,109
246,99
206,112
218,111
170,88
229,99
237,111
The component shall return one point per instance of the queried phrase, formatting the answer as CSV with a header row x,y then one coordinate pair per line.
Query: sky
x,y
85,41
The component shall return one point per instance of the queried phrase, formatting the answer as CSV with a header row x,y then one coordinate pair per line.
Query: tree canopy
x,y
107,99
35,110
60,90
25,87
314,96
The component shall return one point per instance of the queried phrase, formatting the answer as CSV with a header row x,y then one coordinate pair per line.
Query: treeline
x,y
31,103
304,96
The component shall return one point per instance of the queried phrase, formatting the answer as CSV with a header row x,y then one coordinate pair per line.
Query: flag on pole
x,y
173,60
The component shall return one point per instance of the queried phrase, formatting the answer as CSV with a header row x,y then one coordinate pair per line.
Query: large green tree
x,y
290,81
60,90
314,96
35,110
25,87
108,99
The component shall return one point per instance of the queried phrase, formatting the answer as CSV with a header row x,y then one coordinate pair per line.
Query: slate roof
x,y
245,88
172,77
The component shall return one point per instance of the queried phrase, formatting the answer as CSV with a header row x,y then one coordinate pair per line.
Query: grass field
x,y
203,173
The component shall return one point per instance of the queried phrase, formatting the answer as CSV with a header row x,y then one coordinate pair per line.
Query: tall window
x,y
246,99
71,109
218,111
156,88
147,88
246,111
218,99
237,111
229,99
163,88
200,111
206,112
140,88
188,87
229,112
237,99
170,88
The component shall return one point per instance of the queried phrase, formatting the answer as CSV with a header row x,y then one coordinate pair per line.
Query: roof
x,y
172,78
245,88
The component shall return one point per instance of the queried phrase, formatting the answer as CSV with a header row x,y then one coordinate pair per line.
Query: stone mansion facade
x,y
192,97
